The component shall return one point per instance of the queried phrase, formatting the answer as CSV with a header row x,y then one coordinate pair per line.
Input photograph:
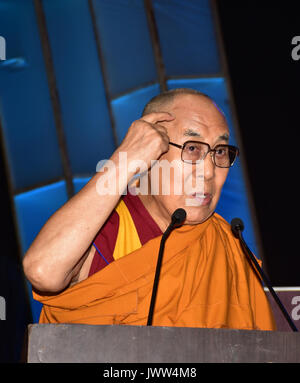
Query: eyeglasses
x,y
223,155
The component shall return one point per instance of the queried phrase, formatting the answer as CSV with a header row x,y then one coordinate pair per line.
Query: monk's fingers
x,y
162,131
155,117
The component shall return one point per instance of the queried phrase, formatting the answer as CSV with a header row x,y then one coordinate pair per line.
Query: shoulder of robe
x,y
226,227
217,218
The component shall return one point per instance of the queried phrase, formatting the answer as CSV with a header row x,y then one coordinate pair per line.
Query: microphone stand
x,y
177,218
238,230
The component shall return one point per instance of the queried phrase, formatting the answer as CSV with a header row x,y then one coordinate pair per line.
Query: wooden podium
x,y
75,343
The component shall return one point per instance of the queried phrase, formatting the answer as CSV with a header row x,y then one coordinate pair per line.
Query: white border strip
x,y
284,288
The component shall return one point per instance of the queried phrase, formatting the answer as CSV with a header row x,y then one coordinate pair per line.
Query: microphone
x,y
237,226
177,219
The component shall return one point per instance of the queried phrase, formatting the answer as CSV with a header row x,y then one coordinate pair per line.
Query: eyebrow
x,y
223,137
193,133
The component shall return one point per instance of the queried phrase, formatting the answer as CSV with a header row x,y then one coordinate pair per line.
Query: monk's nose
x,y
209,167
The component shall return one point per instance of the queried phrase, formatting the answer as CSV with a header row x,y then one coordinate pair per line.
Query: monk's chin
x,y
196,220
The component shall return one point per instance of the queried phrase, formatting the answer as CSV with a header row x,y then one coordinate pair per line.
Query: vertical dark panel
x,y
54,95
104,72
12,281
265,82
238,136
160,67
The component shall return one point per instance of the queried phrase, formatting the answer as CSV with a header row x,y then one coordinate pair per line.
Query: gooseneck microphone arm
x,y
178,218
237,227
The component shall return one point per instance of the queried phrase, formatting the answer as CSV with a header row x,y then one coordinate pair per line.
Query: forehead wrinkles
x,y
198,109
200,123
194,112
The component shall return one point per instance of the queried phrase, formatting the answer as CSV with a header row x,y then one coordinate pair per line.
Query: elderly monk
x,y
94,260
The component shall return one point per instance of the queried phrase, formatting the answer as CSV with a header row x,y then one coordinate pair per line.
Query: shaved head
x,y
196,118
165,99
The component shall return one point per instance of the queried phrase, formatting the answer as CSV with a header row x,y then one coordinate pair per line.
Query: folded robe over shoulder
x,y
205,281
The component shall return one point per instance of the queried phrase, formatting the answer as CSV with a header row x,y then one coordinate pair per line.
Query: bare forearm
x,y
57,255
67,235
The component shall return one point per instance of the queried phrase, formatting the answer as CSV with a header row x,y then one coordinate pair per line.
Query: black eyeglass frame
x,y
231,147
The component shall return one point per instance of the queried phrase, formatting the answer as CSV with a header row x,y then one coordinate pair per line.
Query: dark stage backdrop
x,y
266,87
265,83
12,284
78,73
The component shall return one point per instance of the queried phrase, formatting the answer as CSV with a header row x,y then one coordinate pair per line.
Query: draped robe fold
x,y
205,281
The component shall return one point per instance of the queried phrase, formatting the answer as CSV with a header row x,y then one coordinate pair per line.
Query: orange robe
x,y
205,281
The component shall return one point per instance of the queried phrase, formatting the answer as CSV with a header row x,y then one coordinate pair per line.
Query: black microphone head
x,y
178,217
236,226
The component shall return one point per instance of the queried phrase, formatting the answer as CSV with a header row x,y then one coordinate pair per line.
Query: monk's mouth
x,y
202,199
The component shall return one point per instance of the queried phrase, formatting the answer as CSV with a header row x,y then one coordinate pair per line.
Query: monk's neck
x,y
157,212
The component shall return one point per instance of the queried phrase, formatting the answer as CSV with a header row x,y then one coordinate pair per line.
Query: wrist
x,y
113,175
127,166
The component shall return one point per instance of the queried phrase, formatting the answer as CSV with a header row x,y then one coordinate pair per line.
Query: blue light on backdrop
x,y
33,208
89,86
